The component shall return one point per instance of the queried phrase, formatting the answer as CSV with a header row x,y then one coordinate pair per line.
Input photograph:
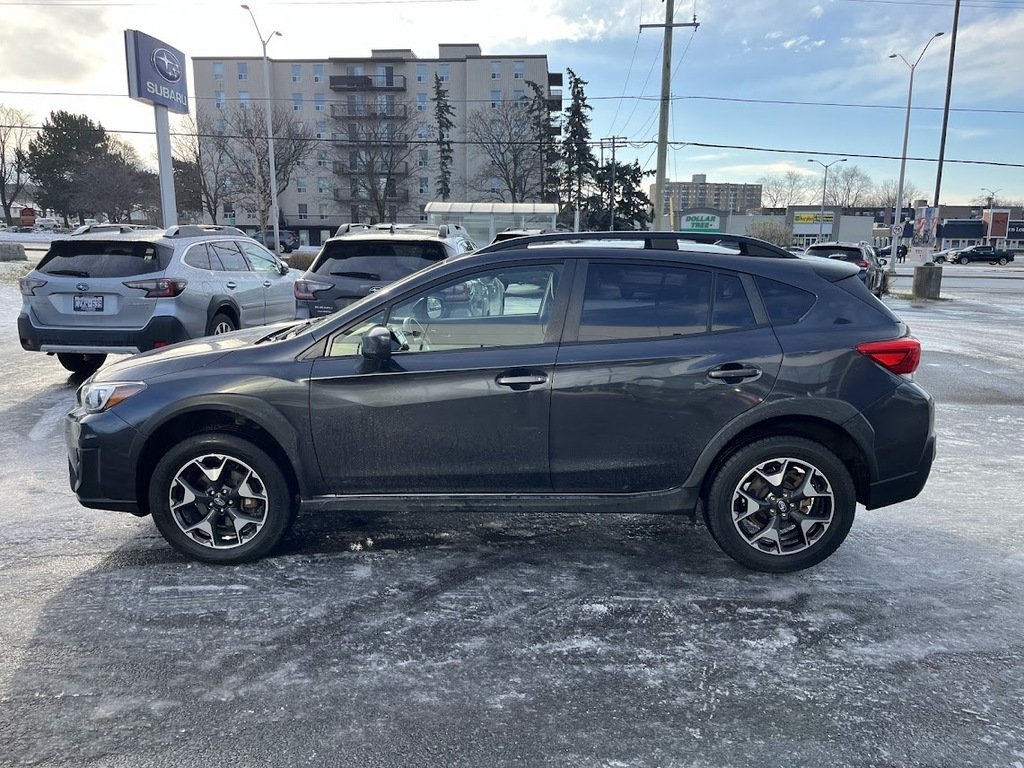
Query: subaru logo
x,y
374,288
82,287
167,65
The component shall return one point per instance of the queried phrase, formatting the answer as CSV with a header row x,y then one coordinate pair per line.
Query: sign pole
x,y
168,203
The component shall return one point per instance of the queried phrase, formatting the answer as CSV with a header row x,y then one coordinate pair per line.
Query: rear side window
x,y
731,310
785,303
385,260
623,301
104,258
198,257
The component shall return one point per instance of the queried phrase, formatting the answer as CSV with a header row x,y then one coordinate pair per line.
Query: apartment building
x,y
699,193
345,101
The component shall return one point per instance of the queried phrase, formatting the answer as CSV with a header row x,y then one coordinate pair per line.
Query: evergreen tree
x,y
544,130
444,116
60,155
632,206
577,155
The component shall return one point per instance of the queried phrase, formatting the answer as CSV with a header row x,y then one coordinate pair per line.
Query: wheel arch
x,y
226,305
273,439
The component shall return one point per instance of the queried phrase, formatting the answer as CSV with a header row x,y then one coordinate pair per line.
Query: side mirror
x,y
428,308
883,262
376,344
283,268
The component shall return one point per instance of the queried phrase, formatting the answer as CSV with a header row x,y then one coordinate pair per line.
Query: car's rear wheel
x,y
221,323
82,364
1002,261
220,499
781,504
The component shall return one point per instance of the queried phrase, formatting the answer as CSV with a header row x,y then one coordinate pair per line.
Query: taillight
x,y
28,285
305,289
159,288
862,264
897,355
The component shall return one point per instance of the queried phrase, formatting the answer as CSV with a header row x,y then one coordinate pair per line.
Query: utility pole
x,y
945,109
666,88
611,209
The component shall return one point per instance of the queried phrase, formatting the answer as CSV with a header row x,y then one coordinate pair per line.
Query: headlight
x,y
99,397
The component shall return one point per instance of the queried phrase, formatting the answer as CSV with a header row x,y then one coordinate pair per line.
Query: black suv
x,y
765,392
985,253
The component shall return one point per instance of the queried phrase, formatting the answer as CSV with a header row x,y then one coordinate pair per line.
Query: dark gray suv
x,y
765,393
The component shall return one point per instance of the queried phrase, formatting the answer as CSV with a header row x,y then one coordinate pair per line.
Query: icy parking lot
x,y
473,640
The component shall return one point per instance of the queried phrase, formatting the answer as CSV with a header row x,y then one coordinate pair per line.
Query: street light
x,y
270,132
991,202
898,218
824,184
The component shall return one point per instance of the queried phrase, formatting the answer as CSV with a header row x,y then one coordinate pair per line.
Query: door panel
x,y
238,281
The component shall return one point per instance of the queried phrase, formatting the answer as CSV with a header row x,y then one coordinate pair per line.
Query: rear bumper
x,y
159,331
896,489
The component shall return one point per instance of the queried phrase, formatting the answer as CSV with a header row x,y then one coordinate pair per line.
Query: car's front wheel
x,y
1002,261
963,260
81,364
781,504
220,499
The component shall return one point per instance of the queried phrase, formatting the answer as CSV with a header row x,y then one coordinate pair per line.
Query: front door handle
x,y
520,381
734,373
231,284
267,283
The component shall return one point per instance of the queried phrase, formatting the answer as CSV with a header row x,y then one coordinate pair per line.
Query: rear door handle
x,y
267,283
733,373
521,381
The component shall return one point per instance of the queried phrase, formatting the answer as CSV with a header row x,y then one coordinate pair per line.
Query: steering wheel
x,y
413,329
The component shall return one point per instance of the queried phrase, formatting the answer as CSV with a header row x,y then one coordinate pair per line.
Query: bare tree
x,y
786,189
884,194
383,137
14,138
244,146
196,143
848,187
505,134
778,232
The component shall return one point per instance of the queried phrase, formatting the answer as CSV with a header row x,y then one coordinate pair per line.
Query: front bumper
x,y
100,469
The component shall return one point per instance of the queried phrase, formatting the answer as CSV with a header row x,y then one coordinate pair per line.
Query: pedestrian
x,y
901,253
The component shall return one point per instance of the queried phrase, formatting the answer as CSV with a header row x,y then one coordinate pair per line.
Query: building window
x,y
321,159
424,185
518,95
354,69
495,99
296,73
243,70
222,125
321,130
243,99
518,70
495,184
422,162
300,184
218,70
421,73
323,186
423,213
296,102
318,73
218,99
323,211
421,102
495,70
444,71
303,211
421,130
320,100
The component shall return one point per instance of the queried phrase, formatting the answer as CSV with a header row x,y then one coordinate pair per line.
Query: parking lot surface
x,y
569,640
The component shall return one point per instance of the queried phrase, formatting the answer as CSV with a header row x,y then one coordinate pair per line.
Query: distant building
x,y
699,193
343,99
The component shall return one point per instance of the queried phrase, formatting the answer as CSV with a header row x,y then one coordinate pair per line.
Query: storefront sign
x,y
156,72
701,222
812,218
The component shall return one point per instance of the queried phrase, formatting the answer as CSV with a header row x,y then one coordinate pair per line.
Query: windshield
x,y
386,260
104,258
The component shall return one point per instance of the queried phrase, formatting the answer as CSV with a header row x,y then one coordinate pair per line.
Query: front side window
x,y
259,259
633,301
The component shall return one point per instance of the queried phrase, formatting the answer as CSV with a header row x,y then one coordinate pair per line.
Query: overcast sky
x,y
803,78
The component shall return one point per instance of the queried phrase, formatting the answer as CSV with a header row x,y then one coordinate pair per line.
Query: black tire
x,y
81,364
1002,261
221,323
963,260
264,507
829,511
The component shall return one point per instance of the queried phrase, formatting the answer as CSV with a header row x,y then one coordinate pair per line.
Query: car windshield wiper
x,y
68,272
364,275
291,330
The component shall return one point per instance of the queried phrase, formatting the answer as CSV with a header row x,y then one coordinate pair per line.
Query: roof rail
x,y
659,241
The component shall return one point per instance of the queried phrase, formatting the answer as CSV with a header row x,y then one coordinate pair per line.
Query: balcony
x,y
343,168
374,111
367,82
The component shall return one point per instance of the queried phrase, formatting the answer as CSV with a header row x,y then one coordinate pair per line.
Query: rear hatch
x,y
86,283
347,270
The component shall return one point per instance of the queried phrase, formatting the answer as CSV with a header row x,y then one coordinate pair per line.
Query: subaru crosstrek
x,y
767,393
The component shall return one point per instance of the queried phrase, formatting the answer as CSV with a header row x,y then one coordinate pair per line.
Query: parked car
x,y
983,253
287,239
45,224
365,259
768,393
87,229
130,291
872,272
511,232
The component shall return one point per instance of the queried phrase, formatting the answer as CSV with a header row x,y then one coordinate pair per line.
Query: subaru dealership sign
x,y
156,72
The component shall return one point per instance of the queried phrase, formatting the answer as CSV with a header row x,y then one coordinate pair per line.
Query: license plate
x,y
82,303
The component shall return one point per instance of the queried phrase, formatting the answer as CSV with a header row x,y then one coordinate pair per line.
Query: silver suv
x,y
131,291
363,258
